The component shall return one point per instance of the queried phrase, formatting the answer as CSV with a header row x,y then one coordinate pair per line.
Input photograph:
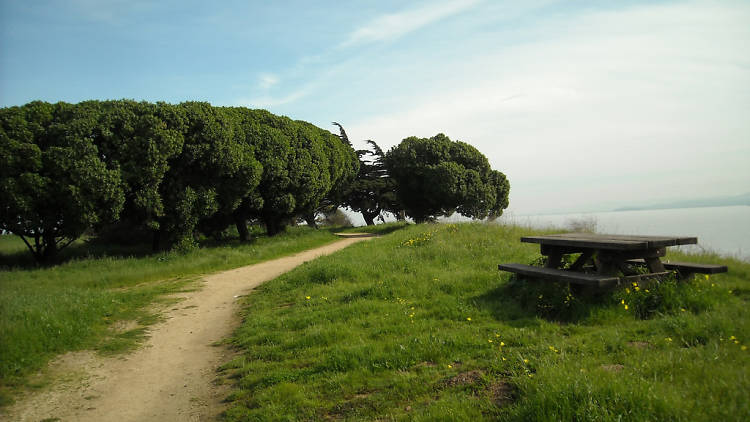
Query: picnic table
x,y
607,260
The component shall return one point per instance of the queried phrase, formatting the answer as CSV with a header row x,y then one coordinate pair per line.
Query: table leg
x,y
581,261
554,260
654,265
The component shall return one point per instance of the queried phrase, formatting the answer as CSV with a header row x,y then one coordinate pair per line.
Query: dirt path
x,y
171,378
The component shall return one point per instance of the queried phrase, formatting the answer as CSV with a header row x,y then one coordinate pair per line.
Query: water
x,y
723,230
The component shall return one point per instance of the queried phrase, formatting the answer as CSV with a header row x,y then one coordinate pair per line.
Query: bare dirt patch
x,y
502,393
173,376
465,378
614,367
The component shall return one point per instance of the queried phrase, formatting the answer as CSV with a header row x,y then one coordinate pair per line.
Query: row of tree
x,y
130,170
169,170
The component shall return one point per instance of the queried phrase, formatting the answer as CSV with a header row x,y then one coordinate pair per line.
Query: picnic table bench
x,y
607,260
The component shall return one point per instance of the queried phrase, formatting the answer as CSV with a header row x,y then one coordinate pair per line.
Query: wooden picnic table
x,y
604,257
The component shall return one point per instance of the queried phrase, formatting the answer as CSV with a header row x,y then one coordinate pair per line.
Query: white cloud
x,y
267,101
603,106
267,80
392,26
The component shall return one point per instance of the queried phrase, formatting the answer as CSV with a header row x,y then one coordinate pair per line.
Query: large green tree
x,y
215,170
302,166
140,138
53,183
437,177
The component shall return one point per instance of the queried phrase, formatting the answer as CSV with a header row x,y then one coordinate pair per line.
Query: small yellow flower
x,y
450,366
525,361
637,288
743,348
468,318
502,344
732,338
682,309
504,358
489,341
646,290
627,290
635,284
626,307
736,342
706,276
668,339
622,302
307,297
497,335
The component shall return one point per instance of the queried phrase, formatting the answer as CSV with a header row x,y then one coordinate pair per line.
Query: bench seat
x,y
687,268
561,275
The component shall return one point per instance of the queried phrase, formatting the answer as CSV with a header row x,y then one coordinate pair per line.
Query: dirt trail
x,y
170,378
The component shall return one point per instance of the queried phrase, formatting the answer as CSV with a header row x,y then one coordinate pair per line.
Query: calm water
x,y
724,230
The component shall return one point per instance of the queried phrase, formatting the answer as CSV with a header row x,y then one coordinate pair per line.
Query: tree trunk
x,y
241,224
49,247
156,241
369,218
310,220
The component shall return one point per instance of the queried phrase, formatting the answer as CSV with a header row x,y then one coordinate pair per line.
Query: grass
x,y
420,325
80,304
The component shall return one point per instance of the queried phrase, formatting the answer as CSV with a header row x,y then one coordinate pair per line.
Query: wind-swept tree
x,y
437,177
53,183
373,191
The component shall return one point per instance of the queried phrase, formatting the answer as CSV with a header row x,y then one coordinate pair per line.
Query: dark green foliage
x,y
132,170
214,172
53,183
139,138
302,166
436,176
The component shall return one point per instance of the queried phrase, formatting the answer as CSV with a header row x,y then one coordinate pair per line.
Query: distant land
x,y
721,201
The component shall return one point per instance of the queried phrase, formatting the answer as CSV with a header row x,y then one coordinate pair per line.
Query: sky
x,y
584,105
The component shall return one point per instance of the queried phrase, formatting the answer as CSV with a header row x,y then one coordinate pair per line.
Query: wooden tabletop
x,y
609,241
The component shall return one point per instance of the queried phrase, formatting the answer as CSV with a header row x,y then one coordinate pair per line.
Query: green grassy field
x,y
74,305
420,325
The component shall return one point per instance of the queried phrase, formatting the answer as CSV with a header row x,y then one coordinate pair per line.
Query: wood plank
x,y
689,266
609,241
561,275
587,243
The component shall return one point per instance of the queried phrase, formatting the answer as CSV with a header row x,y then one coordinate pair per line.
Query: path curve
x,y
172,377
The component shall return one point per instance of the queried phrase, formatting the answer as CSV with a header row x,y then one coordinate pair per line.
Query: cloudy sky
x,y
585,105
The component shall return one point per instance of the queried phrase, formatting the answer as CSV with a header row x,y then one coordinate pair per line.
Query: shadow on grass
x,y
522,303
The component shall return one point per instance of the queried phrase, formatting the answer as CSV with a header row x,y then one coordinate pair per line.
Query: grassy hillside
x,y
420,325
75,305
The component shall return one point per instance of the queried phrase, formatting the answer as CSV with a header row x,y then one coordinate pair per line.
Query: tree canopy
x,y
437,177
53,183
171,170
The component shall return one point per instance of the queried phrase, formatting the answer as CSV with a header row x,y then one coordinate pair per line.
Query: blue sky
x,y
585,105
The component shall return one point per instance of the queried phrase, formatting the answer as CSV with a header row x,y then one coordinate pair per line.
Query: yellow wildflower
x,y
502,344
468,318
307,297
626,307
525,361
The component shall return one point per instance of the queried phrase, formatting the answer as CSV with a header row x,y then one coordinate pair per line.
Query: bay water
x,y
721,230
